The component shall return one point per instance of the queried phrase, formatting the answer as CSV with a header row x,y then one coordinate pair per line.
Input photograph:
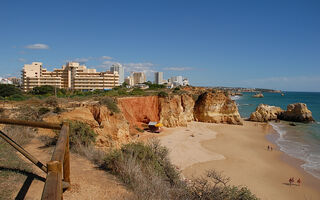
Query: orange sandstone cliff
x,y
114,129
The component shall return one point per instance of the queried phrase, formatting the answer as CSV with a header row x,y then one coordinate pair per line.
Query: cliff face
x,y
176,110
216,108
265,113
112,129
139,110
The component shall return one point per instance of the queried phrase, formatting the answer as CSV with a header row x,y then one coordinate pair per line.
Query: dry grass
x,y
12,167
145,169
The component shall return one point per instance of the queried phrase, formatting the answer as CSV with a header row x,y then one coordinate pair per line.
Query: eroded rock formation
x,y
139,110
297,112
112,128
259,95
265,113
176,110
216,108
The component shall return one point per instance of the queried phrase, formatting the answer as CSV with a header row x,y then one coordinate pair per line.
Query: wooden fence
x,y
58,168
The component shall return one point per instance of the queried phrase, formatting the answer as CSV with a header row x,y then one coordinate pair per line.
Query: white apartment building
x,y
71,76
129,81
177,80
158,78
138,77
117,67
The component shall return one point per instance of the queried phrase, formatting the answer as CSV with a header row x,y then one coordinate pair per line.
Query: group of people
x,y
270,148
291,181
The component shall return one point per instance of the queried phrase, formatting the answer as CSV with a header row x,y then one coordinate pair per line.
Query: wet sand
x,y
241,153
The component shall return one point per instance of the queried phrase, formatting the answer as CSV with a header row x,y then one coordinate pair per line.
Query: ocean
x,y
301,141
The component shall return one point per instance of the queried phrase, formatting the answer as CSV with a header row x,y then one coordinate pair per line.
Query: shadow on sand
x,y
27,183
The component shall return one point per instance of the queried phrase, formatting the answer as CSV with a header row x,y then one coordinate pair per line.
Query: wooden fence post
x,y
53,188
66,161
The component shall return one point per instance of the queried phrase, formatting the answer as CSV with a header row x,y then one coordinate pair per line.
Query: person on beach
x,y
268,147
291,181
299,181
271,148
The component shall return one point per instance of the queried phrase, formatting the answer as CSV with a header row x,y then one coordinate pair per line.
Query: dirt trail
x,y
87,182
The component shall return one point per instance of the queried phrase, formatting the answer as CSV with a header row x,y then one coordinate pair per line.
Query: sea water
x,y
301,141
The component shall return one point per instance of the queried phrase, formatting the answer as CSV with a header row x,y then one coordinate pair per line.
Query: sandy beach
x,y
241,153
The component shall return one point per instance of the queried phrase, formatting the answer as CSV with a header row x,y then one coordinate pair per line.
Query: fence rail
x,y
58,168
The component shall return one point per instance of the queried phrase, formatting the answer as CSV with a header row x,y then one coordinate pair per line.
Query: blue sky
x,y
270,44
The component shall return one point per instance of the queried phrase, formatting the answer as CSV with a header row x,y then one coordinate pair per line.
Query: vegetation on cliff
x,y
146,169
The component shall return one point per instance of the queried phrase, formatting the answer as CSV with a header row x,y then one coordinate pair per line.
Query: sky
x,y
258,43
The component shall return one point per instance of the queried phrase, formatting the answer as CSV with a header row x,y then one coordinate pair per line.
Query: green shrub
x,y
43,90
43,110
7,90
137,91
110,103
81,134
17,97
163,94
151,158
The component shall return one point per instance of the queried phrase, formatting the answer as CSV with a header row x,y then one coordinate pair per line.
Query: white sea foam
x,y
294,147
236,97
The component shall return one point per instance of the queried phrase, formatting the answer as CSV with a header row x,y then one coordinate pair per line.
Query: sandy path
x,y
87,181
247,161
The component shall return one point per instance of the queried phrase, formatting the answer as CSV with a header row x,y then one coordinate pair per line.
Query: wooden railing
x,y
58,168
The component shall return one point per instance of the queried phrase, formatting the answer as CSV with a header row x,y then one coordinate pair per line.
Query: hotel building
x,y
71,76
117,67
158,78
138,77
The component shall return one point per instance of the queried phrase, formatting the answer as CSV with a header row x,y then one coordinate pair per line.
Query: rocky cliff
x,y
216,108
297,112
139,110
112,128
265,113
176,110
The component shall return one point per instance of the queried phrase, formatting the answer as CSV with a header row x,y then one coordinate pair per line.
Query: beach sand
x,y
240,152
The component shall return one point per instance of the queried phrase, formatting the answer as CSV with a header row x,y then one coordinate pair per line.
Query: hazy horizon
x,y
256,44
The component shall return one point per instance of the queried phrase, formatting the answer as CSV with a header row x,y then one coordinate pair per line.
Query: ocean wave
x,y
294,147
279,130
235,97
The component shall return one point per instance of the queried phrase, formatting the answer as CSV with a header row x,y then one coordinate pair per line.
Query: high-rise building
x,y
177,80
158,78
138,77
129,81
117,67
70,76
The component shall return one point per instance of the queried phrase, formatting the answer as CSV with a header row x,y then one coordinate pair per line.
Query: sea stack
x,y
259,95
297,112
265,113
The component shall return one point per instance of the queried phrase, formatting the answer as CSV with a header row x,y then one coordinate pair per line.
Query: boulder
x,y
259,95
297,112
216,108
265,113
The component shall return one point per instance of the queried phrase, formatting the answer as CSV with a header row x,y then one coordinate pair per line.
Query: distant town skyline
x,y
257,44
